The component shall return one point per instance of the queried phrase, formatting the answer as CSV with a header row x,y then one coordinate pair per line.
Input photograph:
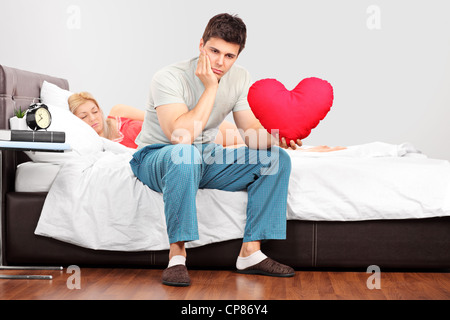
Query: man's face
x,y
222,55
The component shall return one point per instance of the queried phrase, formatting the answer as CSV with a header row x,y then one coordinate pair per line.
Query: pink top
x,y
128,131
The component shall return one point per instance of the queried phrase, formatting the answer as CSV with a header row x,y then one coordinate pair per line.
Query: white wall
x,y
392,83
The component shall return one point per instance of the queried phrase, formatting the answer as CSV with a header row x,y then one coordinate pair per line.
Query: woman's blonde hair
x,y
77,99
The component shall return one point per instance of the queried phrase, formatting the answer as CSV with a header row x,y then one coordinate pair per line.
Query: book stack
x,y
33,140
33,136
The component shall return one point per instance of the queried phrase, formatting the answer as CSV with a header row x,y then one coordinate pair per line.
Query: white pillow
x,y
82,138
54,95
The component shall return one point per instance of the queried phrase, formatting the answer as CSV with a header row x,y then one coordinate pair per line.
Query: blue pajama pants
x,y
178,171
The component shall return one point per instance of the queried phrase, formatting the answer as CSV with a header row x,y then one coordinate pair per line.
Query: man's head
x,y
223,40
227,27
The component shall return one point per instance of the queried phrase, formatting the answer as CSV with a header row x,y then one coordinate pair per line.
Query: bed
x,y
374,204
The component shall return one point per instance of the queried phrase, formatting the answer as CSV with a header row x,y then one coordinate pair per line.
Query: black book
x,y
33,136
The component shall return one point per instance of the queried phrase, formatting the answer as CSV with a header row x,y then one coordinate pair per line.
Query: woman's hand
x,y
293,145
322,149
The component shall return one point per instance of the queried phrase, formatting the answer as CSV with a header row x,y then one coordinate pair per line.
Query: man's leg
x,y
174,170
265,176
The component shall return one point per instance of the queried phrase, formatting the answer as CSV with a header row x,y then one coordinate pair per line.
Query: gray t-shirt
x,y
178,83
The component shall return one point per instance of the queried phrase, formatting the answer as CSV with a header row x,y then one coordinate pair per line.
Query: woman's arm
x,y
322,149
122,110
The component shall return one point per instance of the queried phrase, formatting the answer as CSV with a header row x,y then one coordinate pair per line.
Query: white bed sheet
x,y
35,176
97,202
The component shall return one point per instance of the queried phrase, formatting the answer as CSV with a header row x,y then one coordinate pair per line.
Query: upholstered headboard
x,y
18,89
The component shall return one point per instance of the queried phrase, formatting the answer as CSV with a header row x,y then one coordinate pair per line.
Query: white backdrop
x,y
388,61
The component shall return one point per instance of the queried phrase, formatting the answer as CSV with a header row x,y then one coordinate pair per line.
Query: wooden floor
x,y
111,284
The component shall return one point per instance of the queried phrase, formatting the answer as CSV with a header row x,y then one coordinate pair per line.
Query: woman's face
x,y
92,115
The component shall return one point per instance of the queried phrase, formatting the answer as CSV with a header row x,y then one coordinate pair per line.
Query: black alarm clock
x,y
38,116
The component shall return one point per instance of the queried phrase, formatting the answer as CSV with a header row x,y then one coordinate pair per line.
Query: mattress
x,y
35,176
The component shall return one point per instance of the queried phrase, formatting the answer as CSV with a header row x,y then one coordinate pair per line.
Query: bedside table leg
x,y
28,277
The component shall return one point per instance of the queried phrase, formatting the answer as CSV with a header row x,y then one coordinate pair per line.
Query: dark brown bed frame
x,y
398,244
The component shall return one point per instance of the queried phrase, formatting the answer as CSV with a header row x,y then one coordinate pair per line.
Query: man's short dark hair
x,y
227,27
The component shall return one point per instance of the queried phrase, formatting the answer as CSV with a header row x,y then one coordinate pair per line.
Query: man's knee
x,y
284,158
276,161
185,154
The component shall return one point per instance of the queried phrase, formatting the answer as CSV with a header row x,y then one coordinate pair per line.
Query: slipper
x,y
177,276
269,267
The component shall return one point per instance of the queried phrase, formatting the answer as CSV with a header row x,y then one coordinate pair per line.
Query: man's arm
x,y
181,125
255,135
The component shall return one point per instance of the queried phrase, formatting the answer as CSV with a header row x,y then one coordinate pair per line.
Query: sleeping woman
x,y
124,123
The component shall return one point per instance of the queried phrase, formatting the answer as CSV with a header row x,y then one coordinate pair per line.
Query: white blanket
x,y
97,202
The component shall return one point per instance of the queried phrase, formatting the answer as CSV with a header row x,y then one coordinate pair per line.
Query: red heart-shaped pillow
x,y
294,113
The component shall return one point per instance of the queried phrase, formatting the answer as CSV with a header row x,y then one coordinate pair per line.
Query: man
x,y
176,154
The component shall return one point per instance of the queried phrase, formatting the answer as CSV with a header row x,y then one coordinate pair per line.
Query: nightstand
x,y
29,146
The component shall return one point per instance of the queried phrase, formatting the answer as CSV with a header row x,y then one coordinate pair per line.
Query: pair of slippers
x,y
178,275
